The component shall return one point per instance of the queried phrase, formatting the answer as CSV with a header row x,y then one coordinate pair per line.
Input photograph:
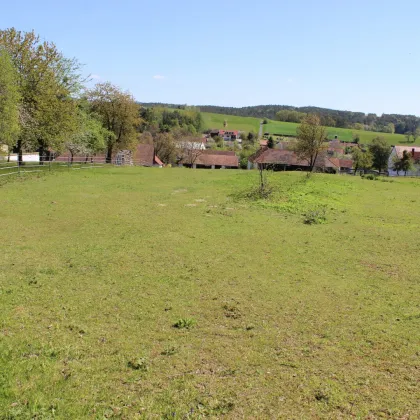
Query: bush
x,y
138,364
184,323
371,177
315,217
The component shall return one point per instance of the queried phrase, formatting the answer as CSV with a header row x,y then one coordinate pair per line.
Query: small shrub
x,y
186,323
371,177
315,217
169,351
138,364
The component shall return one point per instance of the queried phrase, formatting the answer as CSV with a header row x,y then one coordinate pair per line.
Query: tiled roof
x,y
412,150
217,158
289,157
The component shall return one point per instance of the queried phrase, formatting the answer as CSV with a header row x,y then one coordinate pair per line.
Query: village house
x,y
397,153
283,159
227,135
213,159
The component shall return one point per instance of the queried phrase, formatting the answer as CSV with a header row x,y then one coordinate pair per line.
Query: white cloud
x,y
290,80
158,77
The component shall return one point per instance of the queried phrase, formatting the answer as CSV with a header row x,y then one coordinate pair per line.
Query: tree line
x,y
387,123
46,105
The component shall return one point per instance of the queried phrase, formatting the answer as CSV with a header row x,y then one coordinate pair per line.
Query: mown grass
x,y
344,134
280,319
211,120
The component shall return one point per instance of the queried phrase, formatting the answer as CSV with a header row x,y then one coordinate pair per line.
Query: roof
x,y
217,158
413,150
144,154
289,157
346,163
158,161
277,156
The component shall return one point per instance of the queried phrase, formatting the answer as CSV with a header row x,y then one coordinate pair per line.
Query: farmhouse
x,y
213,159
227,135
397,153
281,159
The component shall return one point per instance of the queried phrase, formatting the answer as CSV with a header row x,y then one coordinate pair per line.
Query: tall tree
x,y
310,139
361,159
9,101
89,137
47,83
380,153
403,163
119,114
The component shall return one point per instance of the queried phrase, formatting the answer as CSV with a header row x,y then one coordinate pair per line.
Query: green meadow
x,y
176,293
211,120
289,129
344,134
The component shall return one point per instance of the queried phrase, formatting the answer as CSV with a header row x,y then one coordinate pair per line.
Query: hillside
x,y
401,124
212,120
164,293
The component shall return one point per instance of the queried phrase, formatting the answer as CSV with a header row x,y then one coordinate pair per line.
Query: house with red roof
x,y
283,159
227,135
214,159
397,153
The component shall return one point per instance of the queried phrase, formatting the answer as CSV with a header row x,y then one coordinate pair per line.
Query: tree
x,y
310,139
190,152
90,136
416,134
165,147
390,128
380,153
361,159
405,163
225,123
9,101
270,142
119,114
408,135
219,141
47,83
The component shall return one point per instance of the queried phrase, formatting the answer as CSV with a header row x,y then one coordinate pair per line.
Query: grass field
x,y
276,318
343,134
247,124
289,129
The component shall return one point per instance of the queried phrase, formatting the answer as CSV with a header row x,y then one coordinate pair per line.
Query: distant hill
x,y
397,123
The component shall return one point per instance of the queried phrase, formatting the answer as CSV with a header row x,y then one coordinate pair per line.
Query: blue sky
x,y
344,54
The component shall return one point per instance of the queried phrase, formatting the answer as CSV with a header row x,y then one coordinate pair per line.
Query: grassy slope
x,y
234,123
278,127
344,134
292,321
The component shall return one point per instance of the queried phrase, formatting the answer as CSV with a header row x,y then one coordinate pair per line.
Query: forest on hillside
x,y
387,123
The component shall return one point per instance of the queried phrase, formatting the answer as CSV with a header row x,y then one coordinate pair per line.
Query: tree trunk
x,y
71,158
108,154
19,152
41,153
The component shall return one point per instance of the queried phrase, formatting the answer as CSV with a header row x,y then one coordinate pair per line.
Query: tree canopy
x,y
310,139
119,114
